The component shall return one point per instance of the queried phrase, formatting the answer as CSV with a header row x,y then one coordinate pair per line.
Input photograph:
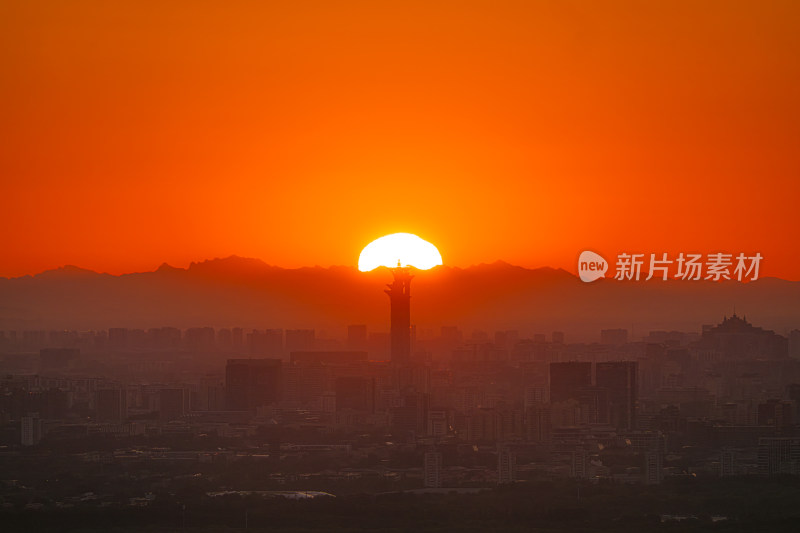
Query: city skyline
x,y
215,213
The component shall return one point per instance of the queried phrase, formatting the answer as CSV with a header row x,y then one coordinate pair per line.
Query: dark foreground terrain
x,y
742,504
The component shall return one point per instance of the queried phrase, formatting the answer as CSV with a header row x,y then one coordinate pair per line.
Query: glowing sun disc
x,y
406,248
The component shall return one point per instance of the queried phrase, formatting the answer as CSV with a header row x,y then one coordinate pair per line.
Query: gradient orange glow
x,y
134,133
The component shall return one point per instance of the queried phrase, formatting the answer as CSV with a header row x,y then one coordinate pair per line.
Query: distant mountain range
x,y
245,292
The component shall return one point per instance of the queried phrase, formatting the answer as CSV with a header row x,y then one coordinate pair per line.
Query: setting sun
x,y
399,249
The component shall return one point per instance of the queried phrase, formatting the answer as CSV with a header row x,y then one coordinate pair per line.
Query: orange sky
x,y
133,133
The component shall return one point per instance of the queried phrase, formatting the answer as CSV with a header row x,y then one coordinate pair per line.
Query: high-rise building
x,y
409,415
111,405
209,395
580,463
538,423
727,463
265,343
433,470
200,339
137,339
31,430
299,340
775,413
778,456
506,340
619,378
614,337
237,339
736,339
437,423
794,344
506,466
534,394
310,375
251,383
793,395
653,472
165,338
567,379
594,405
399,292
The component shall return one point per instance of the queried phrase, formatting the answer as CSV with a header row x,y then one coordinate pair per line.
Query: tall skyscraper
x,y
399,292
619,378
567,379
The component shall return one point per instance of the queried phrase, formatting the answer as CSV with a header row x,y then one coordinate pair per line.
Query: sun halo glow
x,y
404,248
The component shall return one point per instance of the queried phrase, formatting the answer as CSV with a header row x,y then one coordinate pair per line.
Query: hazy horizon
x,y
445,265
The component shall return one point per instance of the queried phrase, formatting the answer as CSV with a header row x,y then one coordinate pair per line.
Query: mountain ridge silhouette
x,y
248,292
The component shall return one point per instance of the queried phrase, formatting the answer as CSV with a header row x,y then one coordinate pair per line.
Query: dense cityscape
x,y
208,203
133,418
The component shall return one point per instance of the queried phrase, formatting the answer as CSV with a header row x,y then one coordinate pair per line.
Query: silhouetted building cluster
x,y
726,401
612,399
252,383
